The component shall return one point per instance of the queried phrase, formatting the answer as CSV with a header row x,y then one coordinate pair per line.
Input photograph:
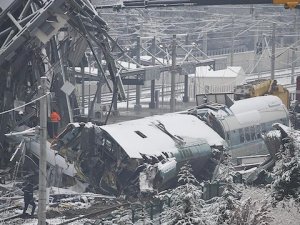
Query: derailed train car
x,y
242,124
146,154
143,154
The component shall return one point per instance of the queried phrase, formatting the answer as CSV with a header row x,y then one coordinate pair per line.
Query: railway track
x,y
96,213
13,218
8,214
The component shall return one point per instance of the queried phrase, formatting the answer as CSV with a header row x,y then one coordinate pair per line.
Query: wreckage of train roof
x,y
161,133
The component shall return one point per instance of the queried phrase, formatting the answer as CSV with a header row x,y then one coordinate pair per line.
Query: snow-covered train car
x,y
145,153
242,124
171,139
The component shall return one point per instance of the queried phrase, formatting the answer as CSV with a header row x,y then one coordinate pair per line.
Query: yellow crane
x,y
261,88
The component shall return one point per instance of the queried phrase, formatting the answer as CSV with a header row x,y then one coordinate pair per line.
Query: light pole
x,y
127,102
162,46
43,154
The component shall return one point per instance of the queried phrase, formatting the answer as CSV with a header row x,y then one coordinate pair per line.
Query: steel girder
x,y
26,24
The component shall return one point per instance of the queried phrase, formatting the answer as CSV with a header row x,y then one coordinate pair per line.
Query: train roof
x,y
256,110
143,135
256,103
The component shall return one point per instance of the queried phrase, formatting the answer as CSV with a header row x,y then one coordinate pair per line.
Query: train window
x,y
184,154
187,152
252,132
247,134
140,134
263,128
242,135
108,144
181,154
234,138
258,131
228,136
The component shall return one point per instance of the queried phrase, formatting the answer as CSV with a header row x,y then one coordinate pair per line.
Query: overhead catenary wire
x,y
21,106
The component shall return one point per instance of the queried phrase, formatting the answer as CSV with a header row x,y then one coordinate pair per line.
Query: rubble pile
x,y
287,169
188,206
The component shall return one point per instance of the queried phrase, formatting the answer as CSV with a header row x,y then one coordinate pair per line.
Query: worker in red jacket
x,y
55,118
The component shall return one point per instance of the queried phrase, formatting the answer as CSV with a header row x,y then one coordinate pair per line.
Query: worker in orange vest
x,y
55,118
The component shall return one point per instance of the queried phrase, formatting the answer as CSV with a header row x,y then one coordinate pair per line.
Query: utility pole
x,y
137,106
232,41
163,79
187,39
152,103
127,31
89,88
173,74
186,77
255,44
43,155
273,53
99,94
82,88
293,65
294,49
205,43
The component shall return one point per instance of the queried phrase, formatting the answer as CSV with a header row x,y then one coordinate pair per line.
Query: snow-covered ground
x,y
286,212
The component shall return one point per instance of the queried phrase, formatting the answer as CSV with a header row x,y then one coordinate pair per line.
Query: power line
x,y
28,103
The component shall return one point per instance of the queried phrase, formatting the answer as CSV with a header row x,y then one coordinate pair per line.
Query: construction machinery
x,y
261,88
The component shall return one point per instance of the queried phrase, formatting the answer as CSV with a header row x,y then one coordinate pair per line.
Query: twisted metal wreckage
x,y
140,155
44,38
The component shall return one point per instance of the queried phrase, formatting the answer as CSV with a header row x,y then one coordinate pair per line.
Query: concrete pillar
x,y
173,75
273,52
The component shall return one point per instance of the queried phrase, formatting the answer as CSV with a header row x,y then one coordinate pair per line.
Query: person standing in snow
x,y
28,197
55,118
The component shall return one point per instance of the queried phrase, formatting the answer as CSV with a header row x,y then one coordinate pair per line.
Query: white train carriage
x,y
252,117
242,124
